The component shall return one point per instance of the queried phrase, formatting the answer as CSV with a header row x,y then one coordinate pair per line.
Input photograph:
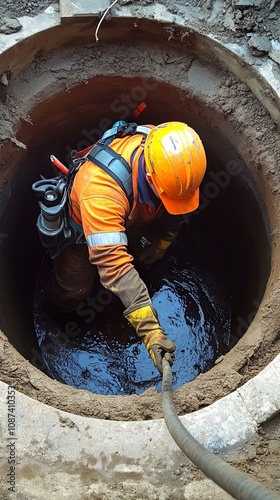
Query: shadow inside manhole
x,y
96,349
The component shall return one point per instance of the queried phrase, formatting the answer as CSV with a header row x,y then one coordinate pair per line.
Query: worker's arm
x,y
134,294
103,222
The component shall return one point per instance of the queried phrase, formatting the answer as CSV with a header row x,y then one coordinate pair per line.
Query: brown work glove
x,y
153,252
147,327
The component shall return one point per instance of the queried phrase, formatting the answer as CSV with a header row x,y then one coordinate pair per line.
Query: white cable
x,y
102,18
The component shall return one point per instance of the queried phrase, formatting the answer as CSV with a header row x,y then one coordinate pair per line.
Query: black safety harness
x,y
56,228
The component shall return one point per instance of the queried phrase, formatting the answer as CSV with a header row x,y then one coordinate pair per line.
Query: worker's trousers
x,y
72,279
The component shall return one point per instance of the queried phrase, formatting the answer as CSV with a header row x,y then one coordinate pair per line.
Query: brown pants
x,y
72,280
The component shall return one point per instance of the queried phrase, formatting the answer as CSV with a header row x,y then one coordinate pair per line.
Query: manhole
x,y
64,99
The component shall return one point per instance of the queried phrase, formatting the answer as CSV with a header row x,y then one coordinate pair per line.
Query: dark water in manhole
x,y
101,352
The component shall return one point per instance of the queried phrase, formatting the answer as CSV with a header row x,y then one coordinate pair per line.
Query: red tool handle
x,y
58,164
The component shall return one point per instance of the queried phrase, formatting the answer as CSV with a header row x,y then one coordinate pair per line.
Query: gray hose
x,y
236,483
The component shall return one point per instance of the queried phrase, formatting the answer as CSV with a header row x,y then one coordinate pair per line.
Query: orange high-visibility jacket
x,y
101,207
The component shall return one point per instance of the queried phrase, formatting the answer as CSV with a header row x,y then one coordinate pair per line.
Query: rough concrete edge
x,y
223,425
265,70
262,71
80,9
31,26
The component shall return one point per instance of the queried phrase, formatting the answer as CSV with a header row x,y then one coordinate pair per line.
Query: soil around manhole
x,y
204,390
201,392
261,459
256,22
233,100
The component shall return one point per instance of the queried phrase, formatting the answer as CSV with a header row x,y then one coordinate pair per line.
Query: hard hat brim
x,y
180,207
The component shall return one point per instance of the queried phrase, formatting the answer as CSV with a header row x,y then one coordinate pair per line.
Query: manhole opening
x,y
228,231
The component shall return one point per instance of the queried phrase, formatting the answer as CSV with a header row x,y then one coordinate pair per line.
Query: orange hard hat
x,y
176,161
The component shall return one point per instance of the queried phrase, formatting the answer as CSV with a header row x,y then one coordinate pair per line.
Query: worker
x,y
167,163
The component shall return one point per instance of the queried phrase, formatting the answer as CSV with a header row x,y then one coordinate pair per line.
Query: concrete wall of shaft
x,y
57,82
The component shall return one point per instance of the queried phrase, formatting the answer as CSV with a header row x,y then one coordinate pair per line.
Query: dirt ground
x,y
257,22
262,459
11,9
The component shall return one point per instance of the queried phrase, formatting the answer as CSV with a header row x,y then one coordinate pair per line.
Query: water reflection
x,y
189,292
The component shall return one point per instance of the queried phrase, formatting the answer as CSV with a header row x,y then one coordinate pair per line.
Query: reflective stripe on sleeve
x,y
112,238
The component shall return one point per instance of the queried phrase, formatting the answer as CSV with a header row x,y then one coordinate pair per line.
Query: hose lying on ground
x,y
236,483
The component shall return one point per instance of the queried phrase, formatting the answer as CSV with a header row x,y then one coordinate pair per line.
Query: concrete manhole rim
x,y
36,376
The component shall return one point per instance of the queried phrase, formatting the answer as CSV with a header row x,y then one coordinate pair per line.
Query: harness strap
x,y
56,227
114,165
142,129
106,158
119,129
